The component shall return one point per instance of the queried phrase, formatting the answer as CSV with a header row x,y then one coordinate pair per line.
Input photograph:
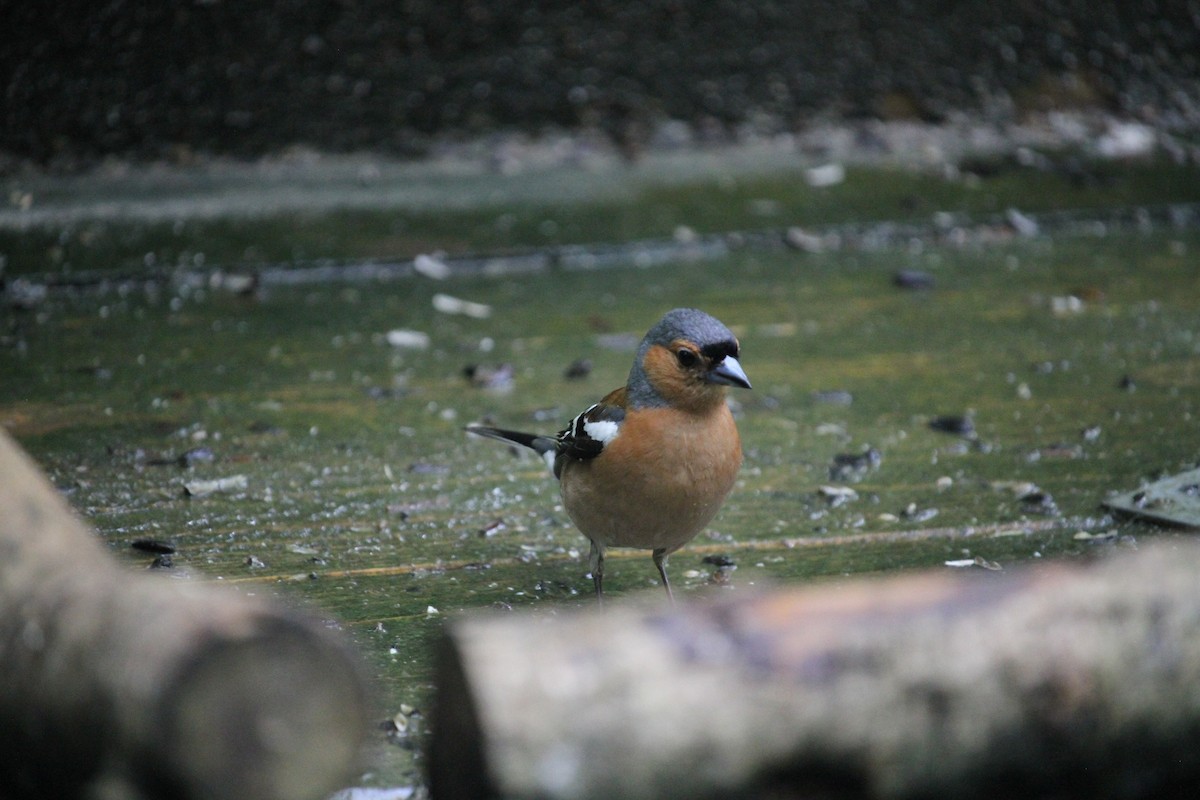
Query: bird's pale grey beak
x,y
730,373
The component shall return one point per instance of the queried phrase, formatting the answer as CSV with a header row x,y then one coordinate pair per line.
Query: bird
x,y
651,463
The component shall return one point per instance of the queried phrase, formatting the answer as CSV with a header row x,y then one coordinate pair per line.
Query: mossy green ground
x,y
367,502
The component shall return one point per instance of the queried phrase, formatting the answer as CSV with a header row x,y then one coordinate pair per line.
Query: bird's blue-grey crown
x,y
705,331
690,324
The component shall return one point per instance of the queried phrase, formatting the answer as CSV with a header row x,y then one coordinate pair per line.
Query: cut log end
x,y
279,714
115,685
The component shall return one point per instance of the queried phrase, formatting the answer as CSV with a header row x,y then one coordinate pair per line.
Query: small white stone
x,y
431,267
825,175
448,304
407,339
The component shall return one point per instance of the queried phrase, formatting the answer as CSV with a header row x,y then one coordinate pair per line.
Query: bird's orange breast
x,y
659,482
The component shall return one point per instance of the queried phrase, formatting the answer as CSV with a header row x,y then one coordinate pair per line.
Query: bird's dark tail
x,y
539,444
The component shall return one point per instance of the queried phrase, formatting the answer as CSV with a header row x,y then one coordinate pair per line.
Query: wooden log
x,y
115,684
1048,681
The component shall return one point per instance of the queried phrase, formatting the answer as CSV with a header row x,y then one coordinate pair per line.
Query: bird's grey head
x,y
690,324
715,342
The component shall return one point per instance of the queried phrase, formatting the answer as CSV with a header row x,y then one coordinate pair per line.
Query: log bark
x,y
1057,680
116,685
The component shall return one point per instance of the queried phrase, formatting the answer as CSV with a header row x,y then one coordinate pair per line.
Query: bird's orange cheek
x,y
670,381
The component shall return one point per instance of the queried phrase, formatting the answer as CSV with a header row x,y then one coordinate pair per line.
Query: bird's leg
x,y
596,565
660,561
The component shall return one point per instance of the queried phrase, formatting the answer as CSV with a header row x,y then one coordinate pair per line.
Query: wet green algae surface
x,y
365,502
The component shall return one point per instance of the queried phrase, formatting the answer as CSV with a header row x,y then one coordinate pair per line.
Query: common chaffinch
x,y
650,464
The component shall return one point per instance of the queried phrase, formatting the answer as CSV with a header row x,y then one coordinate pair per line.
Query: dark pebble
x,y
1038,503
718,561
162,562
578,369
958,425
1126,383
197,455
152,546
913,279
849,465
722,576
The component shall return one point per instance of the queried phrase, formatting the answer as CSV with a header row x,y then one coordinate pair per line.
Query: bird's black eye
x,y
687,358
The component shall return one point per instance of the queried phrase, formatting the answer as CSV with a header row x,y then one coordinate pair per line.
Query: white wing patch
x,y
603,431
549,457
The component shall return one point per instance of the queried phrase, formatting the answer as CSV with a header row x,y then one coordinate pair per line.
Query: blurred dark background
x,y
151,79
